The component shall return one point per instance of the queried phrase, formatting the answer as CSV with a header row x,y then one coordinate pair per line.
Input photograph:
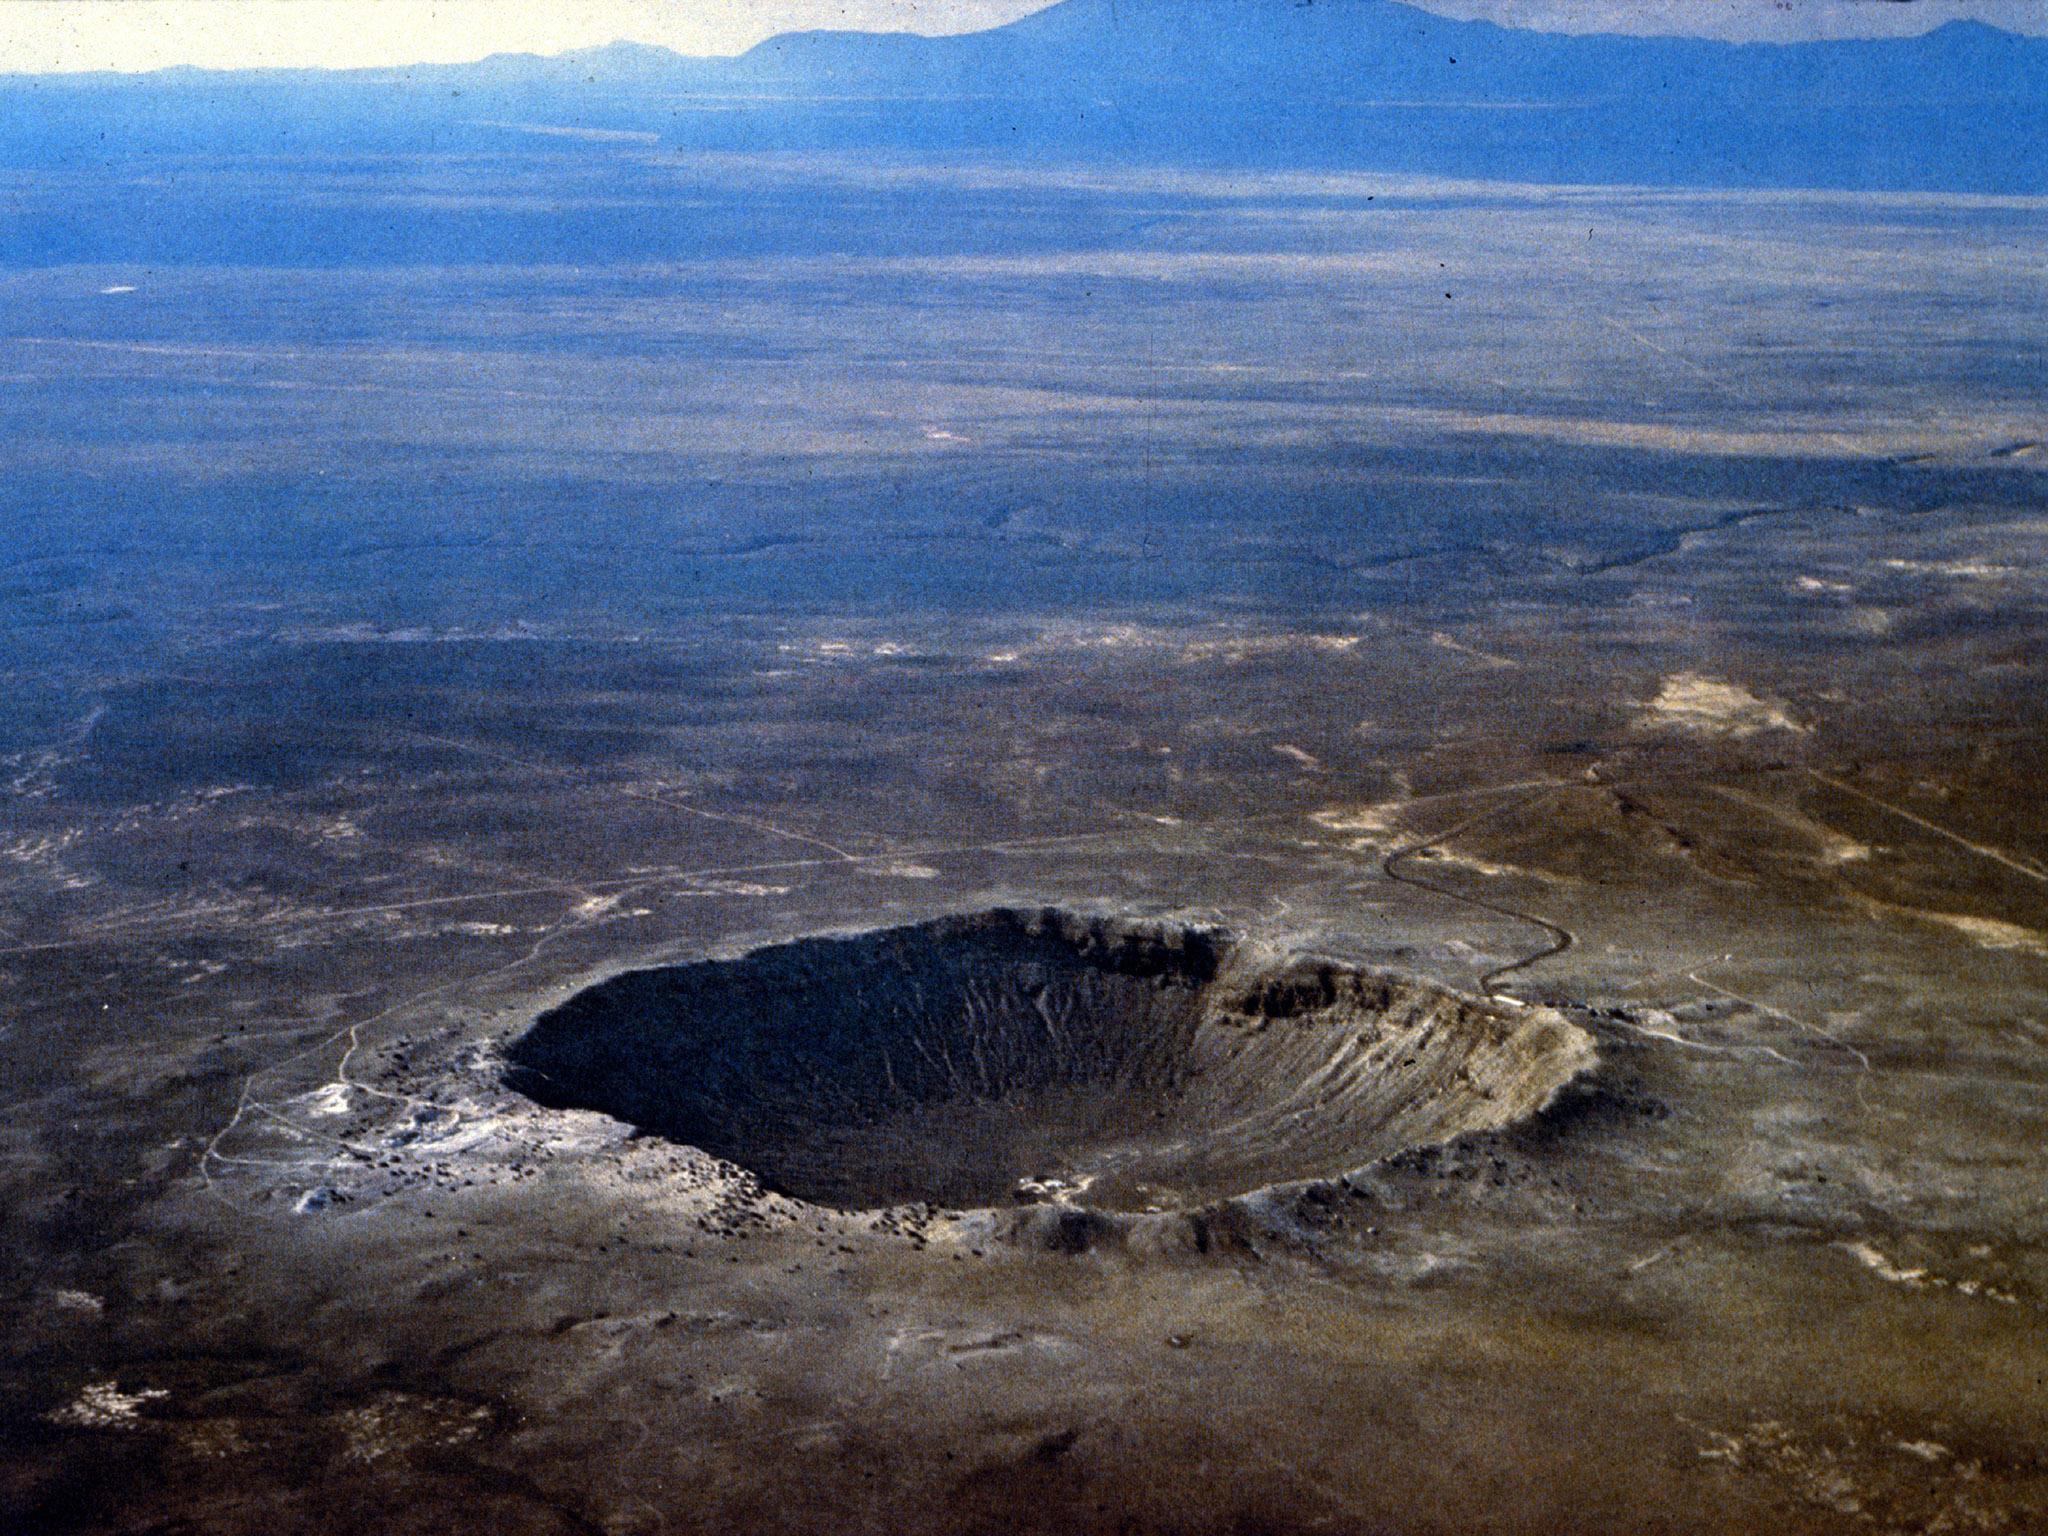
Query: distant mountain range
x,y
1357,83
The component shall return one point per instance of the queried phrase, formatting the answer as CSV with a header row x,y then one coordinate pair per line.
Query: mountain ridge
x,y
1057,24
1365,83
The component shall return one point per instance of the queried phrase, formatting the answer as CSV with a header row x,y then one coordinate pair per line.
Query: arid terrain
x,y
1605,623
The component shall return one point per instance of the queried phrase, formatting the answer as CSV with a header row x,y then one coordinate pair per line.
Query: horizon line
x,y
627,41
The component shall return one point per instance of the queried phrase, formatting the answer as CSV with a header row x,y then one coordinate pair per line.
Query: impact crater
x,y
1042,1055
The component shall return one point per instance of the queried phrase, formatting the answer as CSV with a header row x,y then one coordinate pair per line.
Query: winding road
x,y
1560,938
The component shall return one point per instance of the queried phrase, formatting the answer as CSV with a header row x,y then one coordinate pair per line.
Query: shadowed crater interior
x,y
979,1060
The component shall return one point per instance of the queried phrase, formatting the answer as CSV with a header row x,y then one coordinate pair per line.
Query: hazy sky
x,y
37,35
1752,20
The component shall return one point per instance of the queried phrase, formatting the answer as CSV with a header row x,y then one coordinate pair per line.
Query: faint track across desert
x,y
1560,937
